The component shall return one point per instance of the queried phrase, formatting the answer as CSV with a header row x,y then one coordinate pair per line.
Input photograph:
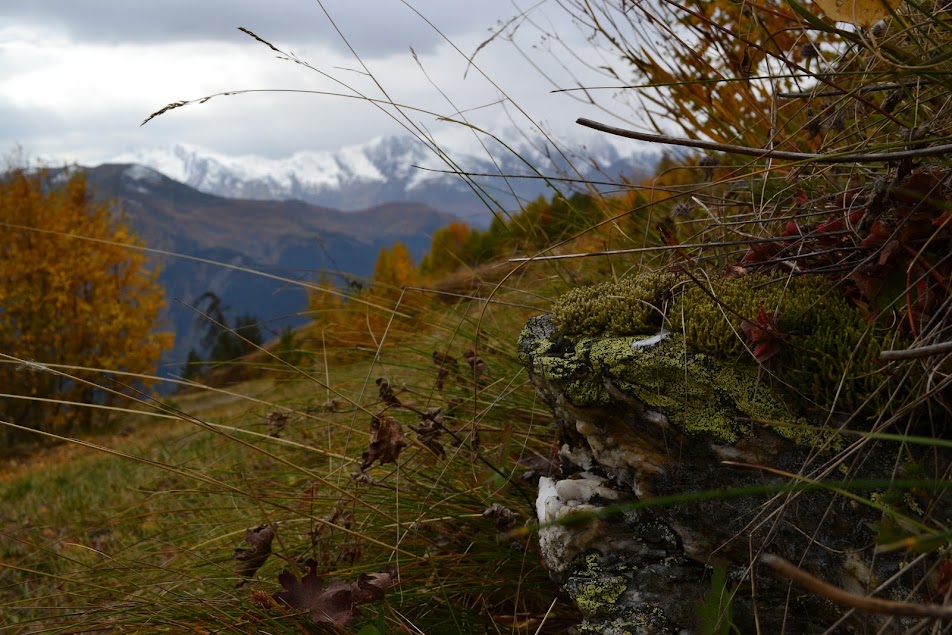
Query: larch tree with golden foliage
x,y
446,251
70,302
394,270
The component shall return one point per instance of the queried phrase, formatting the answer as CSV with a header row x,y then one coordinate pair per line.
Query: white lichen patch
x,y
651,341
568,524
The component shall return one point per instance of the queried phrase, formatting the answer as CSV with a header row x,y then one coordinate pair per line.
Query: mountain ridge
x,y
293,239
387,170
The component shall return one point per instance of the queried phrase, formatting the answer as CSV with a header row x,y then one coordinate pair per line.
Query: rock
x,y
643,426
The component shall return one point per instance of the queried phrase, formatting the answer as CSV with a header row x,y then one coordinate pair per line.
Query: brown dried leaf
x,y
335,603
430,430
386,442
248,561
385,391
859,12
476,363
540,465
277,421
503,516
372,587
441,376
445,361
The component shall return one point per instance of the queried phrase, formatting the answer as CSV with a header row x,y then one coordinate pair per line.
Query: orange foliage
x,y
714,67
446,251
394,270
68,301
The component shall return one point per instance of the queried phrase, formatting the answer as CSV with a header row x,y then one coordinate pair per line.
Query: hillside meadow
x,y
137,530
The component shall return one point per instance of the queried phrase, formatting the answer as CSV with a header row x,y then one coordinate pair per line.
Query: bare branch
x,y
872,157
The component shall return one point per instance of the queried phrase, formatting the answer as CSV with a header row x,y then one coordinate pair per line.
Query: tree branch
x,y
872,157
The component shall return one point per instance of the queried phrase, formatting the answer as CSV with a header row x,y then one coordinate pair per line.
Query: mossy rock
x,y
701,397
634,305
828,358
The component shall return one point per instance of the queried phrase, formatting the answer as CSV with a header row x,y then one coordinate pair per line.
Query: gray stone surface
x,y
630,437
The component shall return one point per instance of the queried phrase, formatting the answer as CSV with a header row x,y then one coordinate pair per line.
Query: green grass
x,y
143,541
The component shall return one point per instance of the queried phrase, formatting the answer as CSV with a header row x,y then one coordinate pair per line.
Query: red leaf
x,y
765,350
867,285
760,252
889,250
764,335
791,229
877,237
831,225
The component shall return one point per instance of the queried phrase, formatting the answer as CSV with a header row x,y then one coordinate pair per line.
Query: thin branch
x,y
770,154
850,600
863,90
638,250
918,352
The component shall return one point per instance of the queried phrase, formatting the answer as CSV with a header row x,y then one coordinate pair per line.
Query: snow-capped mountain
x,y
384,170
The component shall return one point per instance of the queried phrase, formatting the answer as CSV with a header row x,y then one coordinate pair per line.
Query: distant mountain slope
x,y
382,171
292,239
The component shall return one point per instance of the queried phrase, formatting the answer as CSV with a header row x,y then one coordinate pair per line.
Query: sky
x,y
77,77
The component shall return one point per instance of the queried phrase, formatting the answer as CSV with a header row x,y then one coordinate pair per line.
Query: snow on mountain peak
x,y
381,170
143,174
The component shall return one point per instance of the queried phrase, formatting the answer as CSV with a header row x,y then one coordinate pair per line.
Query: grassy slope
x,y
144,542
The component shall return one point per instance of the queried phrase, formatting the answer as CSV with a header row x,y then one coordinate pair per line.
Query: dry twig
x,y
850,600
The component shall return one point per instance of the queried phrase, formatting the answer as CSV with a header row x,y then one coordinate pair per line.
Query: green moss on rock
x,y
829,354
627,306
572,371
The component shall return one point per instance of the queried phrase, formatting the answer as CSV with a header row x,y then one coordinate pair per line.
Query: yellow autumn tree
x,y
394,270
446,251
324,300
69,302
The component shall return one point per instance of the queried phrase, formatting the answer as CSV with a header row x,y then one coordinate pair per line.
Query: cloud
x,y
374,27
76,79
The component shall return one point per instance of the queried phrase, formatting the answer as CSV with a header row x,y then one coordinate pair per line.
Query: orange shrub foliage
x,y
394,269
65,301
446,253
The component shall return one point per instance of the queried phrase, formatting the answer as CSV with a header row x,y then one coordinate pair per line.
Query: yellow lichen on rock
x,y
828,353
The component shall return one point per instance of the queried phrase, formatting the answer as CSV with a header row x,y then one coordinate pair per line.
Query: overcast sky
x,y
77,77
